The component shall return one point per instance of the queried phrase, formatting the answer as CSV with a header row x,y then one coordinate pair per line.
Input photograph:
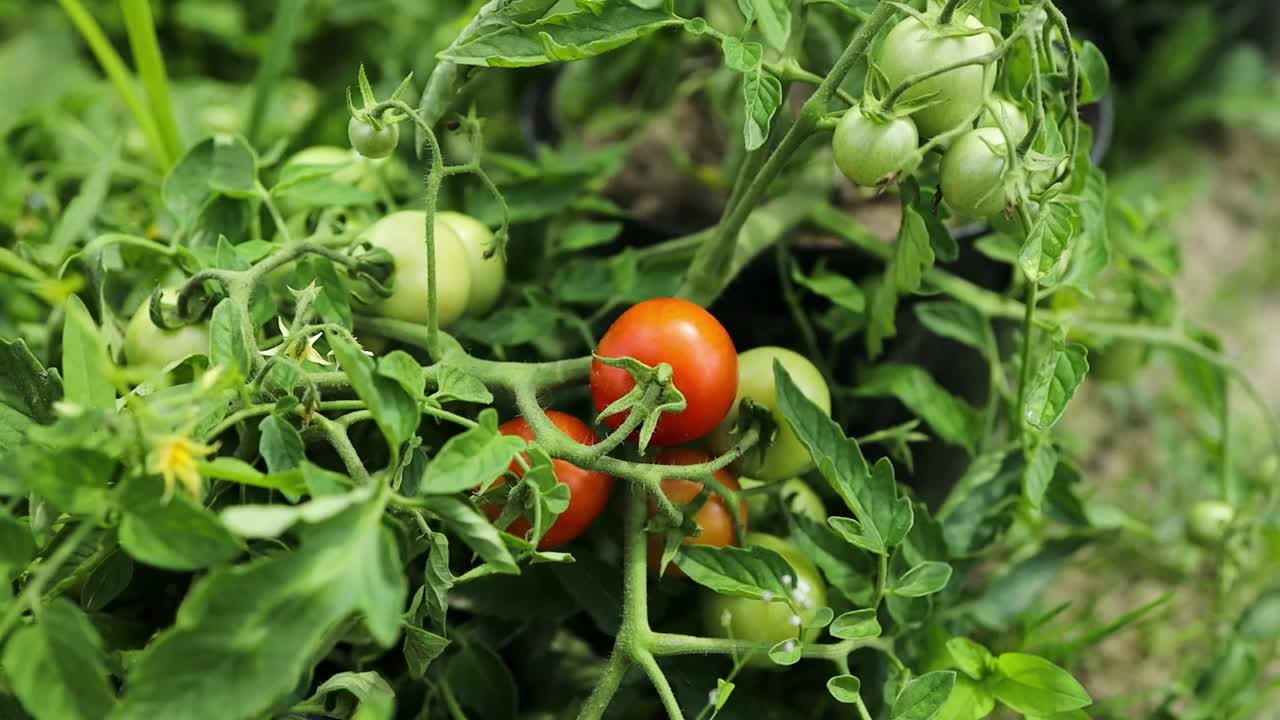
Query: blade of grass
x,y
141,27
113,65
283,31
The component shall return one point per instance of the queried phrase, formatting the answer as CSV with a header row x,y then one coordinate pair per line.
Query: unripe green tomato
x,y
354,167
769,622
973,172
1118,362
787,456
403,235
913,47
372,142
871,152
1208,520
147,345
488,275
800,499
1014,119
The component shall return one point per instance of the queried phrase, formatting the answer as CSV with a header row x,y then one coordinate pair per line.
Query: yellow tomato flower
x,y
176,459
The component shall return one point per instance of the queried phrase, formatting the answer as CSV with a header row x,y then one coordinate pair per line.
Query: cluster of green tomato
x,y
874,146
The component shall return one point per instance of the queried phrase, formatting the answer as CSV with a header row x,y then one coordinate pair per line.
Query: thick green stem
x,y
649,664
948,11
1024,372
710,270
341,443
602,694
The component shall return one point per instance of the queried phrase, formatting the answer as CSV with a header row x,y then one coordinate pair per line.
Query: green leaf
x,y
786,652
394,410
848,570
973,659
244,635
470,458
481,680
913,256
754,572
56,666
969,701
882,315
86,366
763,95
951,418
462,519
280,444
926,578
25,385
835,287
1040,471
438,580
1034,686
176,533
219,166
1093,248
582,235
959,322
227,344
923,697
1048,246
1094,72
856,625
74,480
561,37
454,385
773,17
239,471
400,366
421,648
106,581
845,688
881,515
1016,591
1060,374
355,691
548,497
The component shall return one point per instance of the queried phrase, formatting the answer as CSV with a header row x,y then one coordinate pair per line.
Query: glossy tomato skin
x,y
769,622
1208,522
913,47
973,171
800,499
488,274
787,456
372,142
714,517
402,235
147,344
588,490
1014,119
695,345
872,152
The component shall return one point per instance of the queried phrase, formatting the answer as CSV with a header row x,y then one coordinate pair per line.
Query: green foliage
x,y
304,516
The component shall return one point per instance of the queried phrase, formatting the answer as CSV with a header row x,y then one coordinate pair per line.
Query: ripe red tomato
x,y
589,489
695,345
714,517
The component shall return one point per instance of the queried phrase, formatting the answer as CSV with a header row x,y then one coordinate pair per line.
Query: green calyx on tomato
x,y
699,350
402,234
787,456
872,152
588,489
914,47
774,621
149,345
371,142
488,274
973,173
714,518
1208,521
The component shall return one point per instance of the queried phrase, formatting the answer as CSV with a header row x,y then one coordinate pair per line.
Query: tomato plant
x,y
948,513
686,337
589,490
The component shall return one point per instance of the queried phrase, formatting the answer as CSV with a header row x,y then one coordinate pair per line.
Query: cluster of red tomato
x,y
714,378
